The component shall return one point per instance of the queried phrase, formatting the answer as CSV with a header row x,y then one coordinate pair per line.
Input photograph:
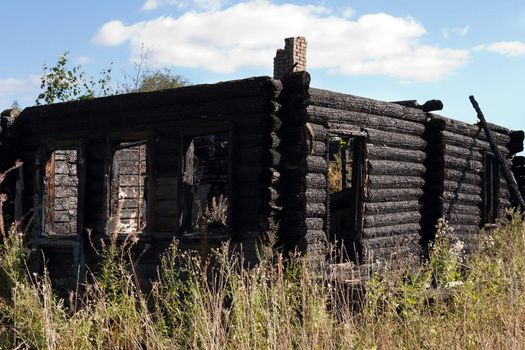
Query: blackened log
x,y
453,186
462,152
315,236
469,142
469,129
316,181
391,182
316,195
463,164
516,141
393,153
394,195
390,236
388,167
412,217
325,98
513,186
353,119
454,208
462,198
391,207
462,176
319,148
316,164
318,131
315,210
204,112
385,138
150,100
314,223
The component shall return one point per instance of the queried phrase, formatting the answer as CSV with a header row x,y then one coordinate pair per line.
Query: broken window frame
x,y
359,169
184,135
43,156
490,188
121,141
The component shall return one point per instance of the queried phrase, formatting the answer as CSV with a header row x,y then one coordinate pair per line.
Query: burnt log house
x,y
271,154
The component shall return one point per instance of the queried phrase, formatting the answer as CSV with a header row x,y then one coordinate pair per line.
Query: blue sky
x,y
388,50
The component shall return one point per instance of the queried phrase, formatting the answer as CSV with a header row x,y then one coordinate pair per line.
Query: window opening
x,y
491,180
61,193
129,188
345,171
205,184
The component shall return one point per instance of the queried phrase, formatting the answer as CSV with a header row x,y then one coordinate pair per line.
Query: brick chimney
x,y
290,59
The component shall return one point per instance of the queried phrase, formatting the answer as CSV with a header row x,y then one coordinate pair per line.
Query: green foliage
x,y
161,79
61,83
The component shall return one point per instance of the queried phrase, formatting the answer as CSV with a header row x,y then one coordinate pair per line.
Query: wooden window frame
x,y
359,169
113,143
201,131
43,154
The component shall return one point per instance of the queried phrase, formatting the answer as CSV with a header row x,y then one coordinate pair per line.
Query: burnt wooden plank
x,y
382,220
325,98
351,118
395,181
391,207
394,153
384,138
394,195
389,167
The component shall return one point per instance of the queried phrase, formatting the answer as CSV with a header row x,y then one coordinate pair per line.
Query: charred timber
x,y
392,219
325,98
352,118
378,208
511,182
393,153
385,138
394,195
389,167
393,181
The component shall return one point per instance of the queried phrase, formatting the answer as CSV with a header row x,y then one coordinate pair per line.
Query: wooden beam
x,y
511,181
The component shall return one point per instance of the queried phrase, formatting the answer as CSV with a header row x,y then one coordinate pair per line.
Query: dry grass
x,y
447,303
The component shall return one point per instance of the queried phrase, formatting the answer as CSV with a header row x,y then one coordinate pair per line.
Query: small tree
x,y
145,77
61,83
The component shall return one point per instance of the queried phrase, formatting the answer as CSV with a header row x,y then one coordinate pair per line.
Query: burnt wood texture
x,y
405,169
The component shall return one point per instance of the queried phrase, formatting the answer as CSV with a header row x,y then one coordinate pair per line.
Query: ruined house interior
x,y
238,160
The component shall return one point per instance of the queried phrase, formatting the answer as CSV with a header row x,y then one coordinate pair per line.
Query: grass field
x,y
280,304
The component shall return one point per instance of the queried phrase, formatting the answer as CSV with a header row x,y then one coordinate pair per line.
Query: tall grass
x,y
279,304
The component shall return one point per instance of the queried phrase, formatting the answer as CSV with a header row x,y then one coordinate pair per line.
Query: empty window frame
x,y
491,187
205,183
345,178
61,192
128,189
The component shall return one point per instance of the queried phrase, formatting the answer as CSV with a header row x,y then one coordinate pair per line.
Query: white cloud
x,y
247,35
198,4
507,48
446,32
24,91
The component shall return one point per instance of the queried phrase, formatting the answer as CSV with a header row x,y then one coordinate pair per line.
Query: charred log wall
x,y
303,171
464,148
246,109
518,168
395,153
